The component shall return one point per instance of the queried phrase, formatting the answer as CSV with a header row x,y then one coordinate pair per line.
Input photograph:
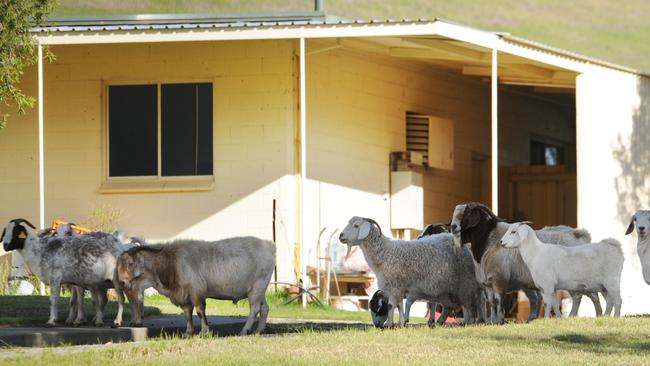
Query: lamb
x,y
189,271
429,268
641,219
583,268
84,261
502,270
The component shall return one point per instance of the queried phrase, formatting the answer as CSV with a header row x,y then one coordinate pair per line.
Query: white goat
x,y
641,219
429,268
583,269
85,261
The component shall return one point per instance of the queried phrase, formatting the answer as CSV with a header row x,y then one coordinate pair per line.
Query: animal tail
x,y
613,242
583,234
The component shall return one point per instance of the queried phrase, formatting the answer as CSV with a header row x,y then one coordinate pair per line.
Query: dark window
x,y
542,153
133,130
185,125
186,129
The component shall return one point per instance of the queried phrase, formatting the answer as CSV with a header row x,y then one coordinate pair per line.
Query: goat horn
x,y
20,221
375,223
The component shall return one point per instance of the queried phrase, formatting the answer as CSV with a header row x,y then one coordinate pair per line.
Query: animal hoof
x,y
136,325
99,325
77,324
187,335
49,325
116,325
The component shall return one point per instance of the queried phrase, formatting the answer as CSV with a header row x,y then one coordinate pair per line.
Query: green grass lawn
x,y
35,310
601,341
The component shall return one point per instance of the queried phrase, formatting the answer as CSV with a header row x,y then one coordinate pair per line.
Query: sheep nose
x,y
641,228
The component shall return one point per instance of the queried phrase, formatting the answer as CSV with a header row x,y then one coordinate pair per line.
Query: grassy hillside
x,y
616,31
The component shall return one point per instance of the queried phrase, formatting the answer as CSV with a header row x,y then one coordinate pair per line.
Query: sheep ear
x,y
364,230
471,218
4,231
139,266
523,232
136,265
630,227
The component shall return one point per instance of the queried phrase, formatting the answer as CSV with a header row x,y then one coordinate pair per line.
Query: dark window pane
x,y
536,153
186,129
133,130
204,158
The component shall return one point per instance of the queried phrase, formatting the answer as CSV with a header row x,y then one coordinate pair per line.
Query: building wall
x,y
356,109
613,116
254,94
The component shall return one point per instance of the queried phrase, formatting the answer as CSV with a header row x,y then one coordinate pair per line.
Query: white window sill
x,y
164,185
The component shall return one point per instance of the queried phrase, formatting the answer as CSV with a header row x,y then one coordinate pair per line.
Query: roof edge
x,y
133,19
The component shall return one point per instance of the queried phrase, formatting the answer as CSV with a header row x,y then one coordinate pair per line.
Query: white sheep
x,y
583,269
641,220
85,261
429,268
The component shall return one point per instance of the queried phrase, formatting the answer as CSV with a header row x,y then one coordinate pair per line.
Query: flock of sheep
x,y
187,271
483,258
472,267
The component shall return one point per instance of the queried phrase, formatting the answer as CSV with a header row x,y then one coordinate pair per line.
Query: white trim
x,y
303,169
495,133
41,152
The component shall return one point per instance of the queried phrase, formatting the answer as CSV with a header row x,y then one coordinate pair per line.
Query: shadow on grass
x,y
597,344
35,310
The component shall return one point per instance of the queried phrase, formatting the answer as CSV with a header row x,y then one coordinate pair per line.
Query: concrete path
x,y
36,336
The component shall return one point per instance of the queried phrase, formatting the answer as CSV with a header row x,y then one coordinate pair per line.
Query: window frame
x,y
153,183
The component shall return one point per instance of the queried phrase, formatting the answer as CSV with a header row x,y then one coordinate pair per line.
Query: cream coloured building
x,y
193,128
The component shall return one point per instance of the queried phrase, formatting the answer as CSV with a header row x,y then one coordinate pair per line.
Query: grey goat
x,y
189,271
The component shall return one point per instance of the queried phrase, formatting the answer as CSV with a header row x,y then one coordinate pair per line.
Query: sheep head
x,y
14,234
433,229
129,267
472,223
379,307
357,230
640,220
517,233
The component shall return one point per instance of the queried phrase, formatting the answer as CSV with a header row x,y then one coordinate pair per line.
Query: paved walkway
x,y
36,336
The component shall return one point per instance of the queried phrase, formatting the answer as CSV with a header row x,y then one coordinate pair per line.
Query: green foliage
x,y
104,218
18,50
6,288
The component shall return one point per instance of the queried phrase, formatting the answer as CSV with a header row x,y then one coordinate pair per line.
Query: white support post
x,y
41,153
303,171
495,135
